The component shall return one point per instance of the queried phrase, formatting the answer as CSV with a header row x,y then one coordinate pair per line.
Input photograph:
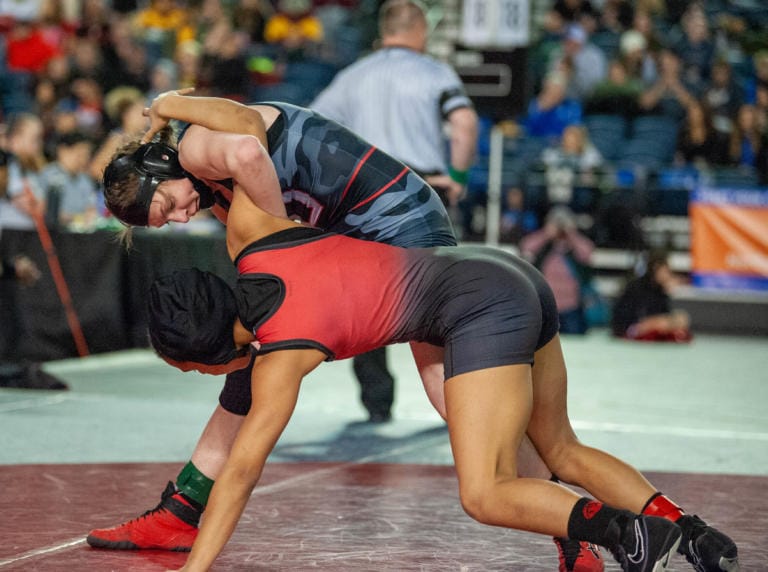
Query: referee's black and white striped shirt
x,y
397,99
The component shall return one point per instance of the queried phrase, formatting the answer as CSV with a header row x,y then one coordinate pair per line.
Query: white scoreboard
x,y
495,23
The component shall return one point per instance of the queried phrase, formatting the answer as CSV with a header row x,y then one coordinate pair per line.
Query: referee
x,y
399,99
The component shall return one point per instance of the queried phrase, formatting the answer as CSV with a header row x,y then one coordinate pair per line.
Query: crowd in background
x,y
75,75
666,92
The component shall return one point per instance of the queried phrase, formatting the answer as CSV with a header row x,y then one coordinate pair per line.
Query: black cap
x,y
191,317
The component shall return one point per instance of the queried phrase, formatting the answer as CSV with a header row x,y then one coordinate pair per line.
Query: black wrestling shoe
x,y
646,544
706,548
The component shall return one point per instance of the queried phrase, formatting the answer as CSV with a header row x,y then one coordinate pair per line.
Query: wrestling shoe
x,y
171,525
646,544
576,556
706,548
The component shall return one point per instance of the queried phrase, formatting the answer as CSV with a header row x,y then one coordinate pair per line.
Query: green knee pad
x,y
194,484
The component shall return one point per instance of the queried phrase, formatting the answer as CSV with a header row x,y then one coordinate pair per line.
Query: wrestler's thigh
x,y
549,426
488,412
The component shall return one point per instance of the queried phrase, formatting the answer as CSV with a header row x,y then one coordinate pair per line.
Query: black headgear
x,y
153,163
191,316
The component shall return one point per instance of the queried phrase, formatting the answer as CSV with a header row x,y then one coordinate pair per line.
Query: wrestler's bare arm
x,y
215,113
275,383
216,155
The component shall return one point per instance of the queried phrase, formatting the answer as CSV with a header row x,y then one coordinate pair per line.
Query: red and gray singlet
x,y
302,288
334,180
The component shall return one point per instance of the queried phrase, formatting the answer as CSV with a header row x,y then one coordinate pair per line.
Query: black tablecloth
x,y
108,287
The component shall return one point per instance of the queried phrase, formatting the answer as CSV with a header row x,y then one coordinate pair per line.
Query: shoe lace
x,y
693,527
169,491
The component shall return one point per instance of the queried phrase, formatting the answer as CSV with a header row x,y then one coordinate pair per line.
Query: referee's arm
x,y
463,133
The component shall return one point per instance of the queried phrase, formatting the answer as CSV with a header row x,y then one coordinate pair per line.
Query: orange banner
x,y
729,238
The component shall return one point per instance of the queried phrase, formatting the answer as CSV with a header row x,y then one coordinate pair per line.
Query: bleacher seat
x,y
658,128
644,153
607,133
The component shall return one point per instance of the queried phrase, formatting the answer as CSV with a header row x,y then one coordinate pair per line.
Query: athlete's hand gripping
x,y
157,121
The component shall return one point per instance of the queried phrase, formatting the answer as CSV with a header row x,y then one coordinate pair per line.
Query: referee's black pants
x,y
377,385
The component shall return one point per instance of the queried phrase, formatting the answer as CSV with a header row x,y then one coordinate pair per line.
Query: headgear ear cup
x,y
159,160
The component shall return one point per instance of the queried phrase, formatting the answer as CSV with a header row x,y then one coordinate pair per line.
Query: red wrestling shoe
x,y
578,556
171,525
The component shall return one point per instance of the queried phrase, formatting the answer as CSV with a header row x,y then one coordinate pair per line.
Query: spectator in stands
x,y
643,311
251,17
224,63
87,102
516,220
70,192
575,150
86,58
637,57
722,96
643,22
573,162
761,106
125,109
563,254
760,78
617,95
615,18
579,12
695,49
15,271
588,61
188,58
25,143
162,26
294,28
125,57
699,144
552,110
749,142
164,78
668,95
27,48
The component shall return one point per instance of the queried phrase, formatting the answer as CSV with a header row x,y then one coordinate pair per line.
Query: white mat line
x,y
42,551
35,402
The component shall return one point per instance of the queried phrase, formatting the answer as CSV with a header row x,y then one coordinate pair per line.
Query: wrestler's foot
x,y
706,548
171,525
646,544
578,556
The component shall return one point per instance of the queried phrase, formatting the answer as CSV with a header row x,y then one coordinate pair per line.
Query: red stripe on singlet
x,y
381,190
356,171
